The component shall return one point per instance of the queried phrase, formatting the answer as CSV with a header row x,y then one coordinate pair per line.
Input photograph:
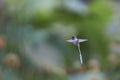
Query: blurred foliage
x,y
21,22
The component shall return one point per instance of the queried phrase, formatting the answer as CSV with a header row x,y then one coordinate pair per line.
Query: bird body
x,y
76,42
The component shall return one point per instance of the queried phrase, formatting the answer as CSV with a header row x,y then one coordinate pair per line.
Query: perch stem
x,y
81,60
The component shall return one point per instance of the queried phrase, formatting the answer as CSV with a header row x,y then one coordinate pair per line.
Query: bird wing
x,y
71,41
82,40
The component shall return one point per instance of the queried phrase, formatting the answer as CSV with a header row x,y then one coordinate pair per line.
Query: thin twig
x,y
81,60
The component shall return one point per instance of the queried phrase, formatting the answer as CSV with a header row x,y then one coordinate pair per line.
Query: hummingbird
x,y
77,42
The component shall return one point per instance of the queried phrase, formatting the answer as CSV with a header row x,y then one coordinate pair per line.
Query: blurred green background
x,y
33,36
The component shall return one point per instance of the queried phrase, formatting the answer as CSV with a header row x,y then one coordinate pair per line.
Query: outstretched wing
x,y
71,41
82,40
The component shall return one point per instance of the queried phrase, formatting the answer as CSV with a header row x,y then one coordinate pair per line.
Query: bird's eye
x,y
73,37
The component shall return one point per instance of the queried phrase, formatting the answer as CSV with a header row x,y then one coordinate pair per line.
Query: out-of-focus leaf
x,y
76,6
41,53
